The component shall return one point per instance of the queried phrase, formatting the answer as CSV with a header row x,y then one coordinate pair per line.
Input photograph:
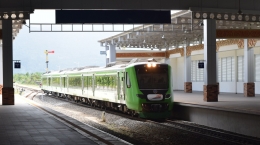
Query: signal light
x,y
154,65
149,65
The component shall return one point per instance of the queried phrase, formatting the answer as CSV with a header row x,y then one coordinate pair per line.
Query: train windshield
x,y
152,78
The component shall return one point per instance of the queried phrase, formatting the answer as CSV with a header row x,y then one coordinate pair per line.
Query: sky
x,y
71,49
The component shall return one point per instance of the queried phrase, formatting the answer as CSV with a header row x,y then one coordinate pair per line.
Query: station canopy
x,y
186,28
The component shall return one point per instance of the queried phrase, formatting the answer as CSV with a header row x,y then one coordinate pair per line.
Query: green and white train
x,y
141,88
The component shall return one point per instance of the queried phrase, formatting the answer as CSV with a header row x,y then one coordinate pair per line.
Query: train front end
x,y
151,94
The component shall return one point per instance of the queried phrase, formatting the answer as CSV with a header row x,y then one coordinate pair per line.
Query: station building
x,y
237,57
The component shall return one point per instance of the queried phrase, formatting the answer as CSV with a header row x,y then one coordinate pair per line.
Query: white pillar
x,y
248,63
249,85
7,54
167,60
187,71
107,53
236,70
112,53
200,40
187,65
210,75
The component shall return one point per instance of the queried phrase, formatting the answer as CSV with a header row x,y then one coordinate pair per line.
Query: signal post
x,y
47,52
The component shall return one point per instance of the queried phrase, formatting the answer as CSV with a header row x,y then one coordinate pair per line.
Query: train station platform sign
x,y
113,16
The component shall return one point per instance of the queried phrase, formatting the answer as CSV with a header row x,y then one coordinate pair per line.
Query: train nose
x,y
155,107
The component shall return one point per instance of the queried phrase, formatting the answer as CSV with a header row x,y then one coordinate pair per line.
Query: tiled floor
x,y
24,124
225,100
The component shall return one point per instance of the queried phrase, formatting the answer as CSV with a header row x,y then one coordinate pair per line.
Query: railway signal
x,y
47,52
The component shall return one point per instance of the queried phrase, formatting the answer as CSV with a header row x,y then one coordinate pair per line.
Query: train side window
x,y
128,83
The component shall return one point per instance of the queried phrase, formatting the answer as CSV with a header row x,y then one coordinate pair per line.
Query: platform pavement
x,y
227,101
233,112
23,123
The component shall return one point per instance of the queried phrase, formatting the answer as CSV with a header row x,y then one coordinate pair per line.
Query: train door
x,y
67,82
93,84
60,84
118,86
122,86
82,84
128,84
63,84
49,83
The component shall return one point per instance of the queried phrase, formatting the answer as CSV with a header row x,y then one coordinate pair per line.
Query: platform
x,y
23,123
232,112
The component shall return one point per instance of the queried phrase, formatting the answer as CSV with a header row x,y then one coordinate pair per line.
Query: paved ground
x,y
24,124
225,100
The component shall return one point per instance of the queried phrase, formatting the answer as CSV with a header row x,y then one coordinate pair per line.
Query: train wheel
x,y
132,113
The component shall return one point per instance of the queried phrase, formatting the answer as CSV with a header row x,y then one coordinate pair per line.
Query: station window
x,y
227,70
257,68
240,68
197,74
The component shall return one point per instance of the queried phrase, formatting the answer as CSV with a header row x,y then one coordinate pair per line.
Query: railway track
x,y
224,136
210,132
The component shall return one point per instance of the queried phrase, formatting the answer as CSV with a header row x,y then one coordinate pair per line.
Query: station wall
x,y
233,86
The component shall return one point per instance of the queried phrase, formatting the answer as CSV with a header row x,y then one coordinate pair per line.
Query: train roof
x,y
115,66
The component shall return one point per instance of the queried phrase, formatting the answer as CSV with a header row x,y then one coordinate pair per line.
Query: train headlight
x,y
154,65
149,65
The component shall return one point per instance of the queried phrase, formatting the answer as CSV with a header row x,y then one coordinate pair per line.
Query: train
x,y
139,88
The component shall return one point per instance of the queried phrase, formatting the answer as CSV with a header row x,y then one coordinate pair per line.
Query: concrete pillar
x,y
107,57
249,85
200,40
167,60
236,70
210,85
112,53
217,71
1,67
187,71
177,45
8,90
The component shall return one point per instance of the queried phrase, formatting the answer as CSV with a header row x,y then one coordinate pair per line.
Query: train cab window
x,y
128,83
